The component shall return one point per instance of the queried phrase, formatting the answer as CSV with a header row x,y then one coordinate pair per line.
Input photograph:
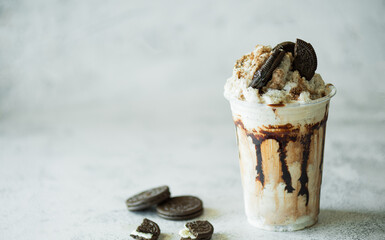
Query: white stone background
x,y
102,99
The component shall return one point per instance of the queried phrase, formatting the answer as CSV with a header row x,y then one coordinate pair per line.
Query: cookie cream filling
x,y
286,85
185,233
142,234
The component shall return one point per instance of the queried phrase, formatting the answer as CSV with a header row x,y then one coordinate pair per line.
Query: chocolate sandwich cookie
x,y
148,230
286,46
263,75
305,59
180,208
198,230
148,198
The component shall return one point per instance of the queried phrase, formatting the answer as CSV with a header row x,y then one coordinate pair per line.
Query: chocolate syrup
x,y
276,105
324,135
284,134
285,172
260,176
303,179
306,141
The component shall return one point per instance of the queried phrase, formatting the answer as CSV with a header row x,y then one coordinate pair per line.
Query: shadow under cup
x,y
281,150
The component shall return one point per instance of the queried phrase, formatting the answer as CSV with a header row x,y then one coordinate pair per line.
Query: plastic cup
x,y
281,150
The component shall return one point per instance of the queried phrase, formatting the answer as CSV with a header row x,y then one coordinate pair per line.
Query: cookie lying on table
x,y
198,230
148,230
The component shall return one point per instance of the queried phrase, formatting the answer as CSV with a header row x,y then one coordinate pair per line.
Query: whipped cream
x,y
285,86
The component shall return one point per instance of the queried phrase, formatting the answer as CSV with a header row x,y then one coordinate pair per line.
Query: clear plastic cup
x,y
281,149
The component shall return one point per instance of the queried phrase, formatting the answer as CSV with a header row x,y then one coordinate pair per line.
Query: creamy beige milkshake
x,y
280,129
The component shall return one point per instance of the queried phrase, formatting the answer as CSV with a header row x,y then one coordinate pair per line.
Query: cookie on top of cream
x,y
286,84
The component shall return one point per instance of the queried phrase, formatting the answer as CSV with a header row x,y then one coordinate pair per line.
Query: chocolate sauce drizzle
x,y
303,179
257,143
323,147
283,134
323,139
285,172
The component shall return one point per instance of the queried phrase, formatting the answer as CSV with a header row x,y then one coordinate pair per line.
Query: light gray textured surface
x,y
101,99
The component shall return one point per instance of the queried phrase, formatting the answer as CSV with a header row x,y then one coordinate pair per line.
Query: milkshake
x,y
280,108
